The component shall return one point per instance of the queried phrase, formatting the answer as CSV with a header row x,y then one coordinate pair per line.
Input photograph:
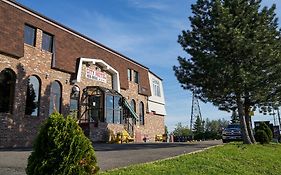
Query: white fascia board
x,y
115,73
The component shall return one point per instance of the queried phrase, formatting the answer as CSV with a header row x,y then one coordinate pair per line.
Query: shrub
x,y
61,148
267,130
261,137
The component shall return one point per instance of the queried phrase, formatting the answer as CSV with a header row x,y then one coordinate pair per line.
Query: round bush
x,y
61,148
267,130
262,137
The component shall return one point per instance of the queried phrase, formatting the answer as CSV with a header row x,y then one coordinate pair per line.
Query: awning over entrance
x,y
128,106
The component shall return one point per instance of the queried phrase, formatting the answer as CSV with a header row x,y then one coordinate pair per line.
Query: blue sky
x,y
144,30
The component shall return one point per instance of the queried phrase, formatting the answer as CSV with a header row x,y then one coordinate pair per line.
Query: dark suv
x,y
232,133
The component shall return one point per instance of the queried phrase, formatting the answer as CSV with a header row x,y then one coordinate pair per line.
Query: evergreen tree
x,y
61,148
198,125
235,51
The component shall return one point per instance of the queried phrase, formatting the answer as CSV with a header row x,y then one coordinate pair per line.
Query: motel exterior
x,y
46,67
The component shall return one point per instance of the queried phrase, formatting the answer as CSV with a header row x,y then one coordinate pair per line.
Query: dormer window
x,y
156,88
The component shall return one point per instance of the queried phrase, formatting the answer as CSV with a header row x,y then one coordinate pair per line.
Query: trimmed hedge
x,y
61,148
266,129
262,137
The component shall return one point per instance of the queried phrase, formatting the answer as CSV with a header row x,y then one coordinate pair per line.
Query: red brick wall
x,y
68,46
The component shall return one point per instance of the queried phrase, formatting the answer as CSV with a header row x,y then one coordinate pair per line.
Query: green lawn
x,y
228,159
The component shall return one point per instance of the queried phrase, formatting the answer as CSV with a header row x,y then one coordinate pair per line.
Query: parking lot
x,y
109,156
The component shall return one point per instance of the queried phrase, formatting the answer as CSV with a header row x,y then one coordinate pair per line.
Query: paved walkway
x,y
111,156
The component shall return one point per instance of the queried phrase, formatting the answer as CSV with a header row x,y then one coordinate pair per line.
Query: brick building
x,y
46,67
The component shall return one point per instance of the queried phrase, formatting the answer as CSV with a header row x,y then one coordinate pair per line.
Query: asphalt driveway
x,y
110,156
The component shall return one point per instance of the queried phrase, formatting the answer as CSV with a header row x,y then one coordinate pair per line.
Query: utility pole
x,y
278,114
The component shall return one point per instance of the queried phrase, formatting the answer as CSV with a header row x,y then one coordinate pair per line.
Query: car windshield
x,y
233,126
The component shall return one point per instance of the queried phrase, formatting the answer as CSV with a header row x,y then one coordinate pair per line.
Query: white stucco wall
x,y
156,103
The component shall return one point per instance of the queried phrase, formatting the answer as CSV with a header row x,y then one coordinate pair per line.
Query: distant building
x,y
47,67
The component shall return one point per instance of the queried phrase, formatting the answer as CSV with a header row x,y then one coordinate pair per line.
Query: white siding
x,y
156,102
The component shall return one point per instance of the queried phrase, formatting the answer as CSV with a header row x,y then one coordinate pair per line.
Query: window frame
x,y
113,109
129,74
34,39
60,99
141,113
38,96
77,98
51,44
136,77
156,88
11,90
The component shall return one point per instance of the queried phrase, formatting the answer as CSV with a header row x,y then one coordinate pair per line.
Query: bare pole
x,y
191,117
278,114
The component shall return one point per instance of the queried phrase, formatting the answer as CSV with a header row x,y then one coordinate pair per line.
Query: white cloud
x,y
148,4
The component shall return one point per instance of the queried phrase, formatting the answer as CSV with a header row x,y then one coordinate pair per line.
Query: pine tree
x,y
235,58
198,125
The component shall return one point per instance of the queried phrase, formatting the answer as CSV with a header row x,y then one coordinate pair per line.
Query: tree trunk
x,y
244,130
248,118
249,127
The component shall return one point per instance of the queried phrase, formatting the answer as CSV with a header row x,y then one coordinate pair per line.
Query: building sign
x,y
95,75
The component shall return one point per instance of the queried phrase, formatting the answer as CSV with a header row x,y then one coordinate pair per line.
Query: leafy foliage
x,y
213,128
181,130
261,137
234,117
61,148
264,127
235,61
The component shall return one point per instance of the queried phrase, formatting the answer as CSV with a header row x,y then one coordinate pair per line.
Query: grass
x,y
230,159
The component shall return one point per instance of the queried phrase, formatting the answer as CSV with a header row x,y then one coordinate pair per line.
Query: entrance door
x,y
95,108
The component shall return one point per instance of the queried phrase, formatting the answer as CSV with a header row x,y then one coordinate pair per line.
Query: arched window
x,y
7,88
133,105
141,113
32,96
55,97
74,100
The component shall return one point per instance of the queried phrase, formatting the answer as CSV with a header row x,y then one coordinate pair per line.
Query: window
x,y
141,113
47,42
129,72
55,97
136,77
32,96
109,108
96,107
133,106
74,100
156,88
7,88
113,109
29,35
